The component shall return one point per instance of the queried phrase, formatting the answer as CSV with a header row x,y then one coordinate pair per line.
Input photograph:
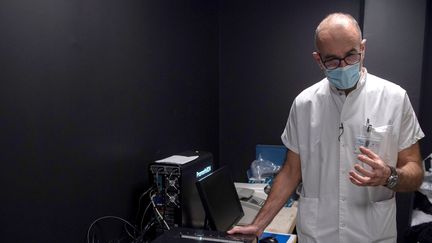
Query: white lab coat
x,y
331,208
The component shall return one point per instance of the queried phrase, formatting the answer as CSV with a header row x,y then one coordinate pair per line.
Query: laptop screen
x,y
220,200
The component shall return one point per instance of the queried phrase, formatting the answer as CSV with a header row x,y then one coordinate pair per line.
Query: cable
x,y
172,171
428,157
126,223
157,178
140,238
145,211
152,221
147,228
341,131
139,202
149,225
157,212
128,233
107,217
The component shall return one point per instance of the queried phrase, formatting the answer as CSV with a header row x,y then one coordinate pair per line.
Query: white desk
x,y
284,222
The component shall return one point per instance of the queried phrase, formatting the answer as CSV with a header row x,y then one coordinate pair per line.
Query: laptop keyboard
x,y
255,200
216,236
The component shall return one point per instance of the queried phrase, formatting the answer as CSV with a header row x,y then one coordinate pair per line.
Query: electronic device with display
x,y
176,196
220,200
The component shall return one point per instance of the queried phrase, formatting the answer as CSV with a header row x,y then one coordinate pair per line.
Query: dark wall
x,y
425,116
91,92
394,30
266,61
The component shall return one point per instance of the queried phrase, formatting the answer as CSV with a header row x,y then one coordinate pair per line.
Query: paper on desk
x,y
177,159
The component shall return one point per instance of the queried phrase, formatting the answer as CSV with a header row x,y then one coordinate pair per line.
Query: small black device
x,y
177,197
220,200
269,239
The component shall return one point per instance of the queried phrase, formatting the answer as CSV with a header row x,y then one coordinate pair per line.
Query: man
x,y
353,142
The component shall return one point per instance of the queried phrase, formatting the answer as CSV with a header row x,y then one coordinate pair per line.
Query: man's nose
x,y
342,63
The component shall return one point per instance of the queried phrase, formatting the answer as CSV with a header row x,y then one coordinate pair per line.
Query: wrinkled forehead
x,y
337,39
337,29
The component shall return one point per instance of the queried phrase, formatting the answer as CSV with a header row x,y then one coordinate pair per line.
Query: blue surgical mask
x,y
344,77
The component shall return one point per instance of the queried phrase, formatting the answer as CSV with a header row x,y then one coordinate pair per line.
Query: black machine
x,y
220,200
223,210
177,197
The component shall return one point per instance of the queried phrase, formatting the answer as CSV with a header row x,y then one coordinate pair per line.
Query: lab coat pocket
x,y
384,135
308,216
377,139
383,221
373,138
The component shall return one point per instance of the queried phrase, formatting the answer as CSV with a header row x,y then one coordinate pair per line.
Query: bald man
x,y
352,142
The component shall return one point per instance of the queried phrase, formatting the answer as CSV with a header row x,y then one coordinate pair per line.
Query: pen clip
x,y
368,126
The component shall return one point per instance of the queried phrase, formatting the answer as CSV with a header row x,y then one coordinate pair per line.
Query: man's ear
x,y
363,48
363,45
317,58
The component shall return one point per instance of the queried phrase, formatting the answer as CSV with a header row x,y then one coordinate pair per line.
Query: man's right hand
x,y
247,229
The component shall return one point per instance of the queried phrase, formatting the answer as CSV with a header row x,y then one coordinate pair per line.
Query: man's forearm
x,y
410,169
276,200
283,186
410,177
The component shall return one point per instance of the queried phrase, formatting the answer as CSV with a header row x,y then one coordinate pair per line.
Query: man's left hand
x,y
375,176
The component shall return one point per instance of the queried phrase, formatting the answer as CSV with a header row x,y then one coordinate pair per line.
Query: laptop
x,y
221,201
188,235
223,210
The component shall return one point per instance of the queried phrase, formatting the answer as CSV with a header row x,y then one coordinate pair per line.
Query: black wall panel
x,y
394,30
90,93
425,116
266,61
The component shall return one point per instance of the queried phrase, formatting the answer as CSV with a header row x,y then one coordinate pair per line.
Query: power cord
x,y
108,217
127,224
424,163
145,212
138,233
139,202
158,213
